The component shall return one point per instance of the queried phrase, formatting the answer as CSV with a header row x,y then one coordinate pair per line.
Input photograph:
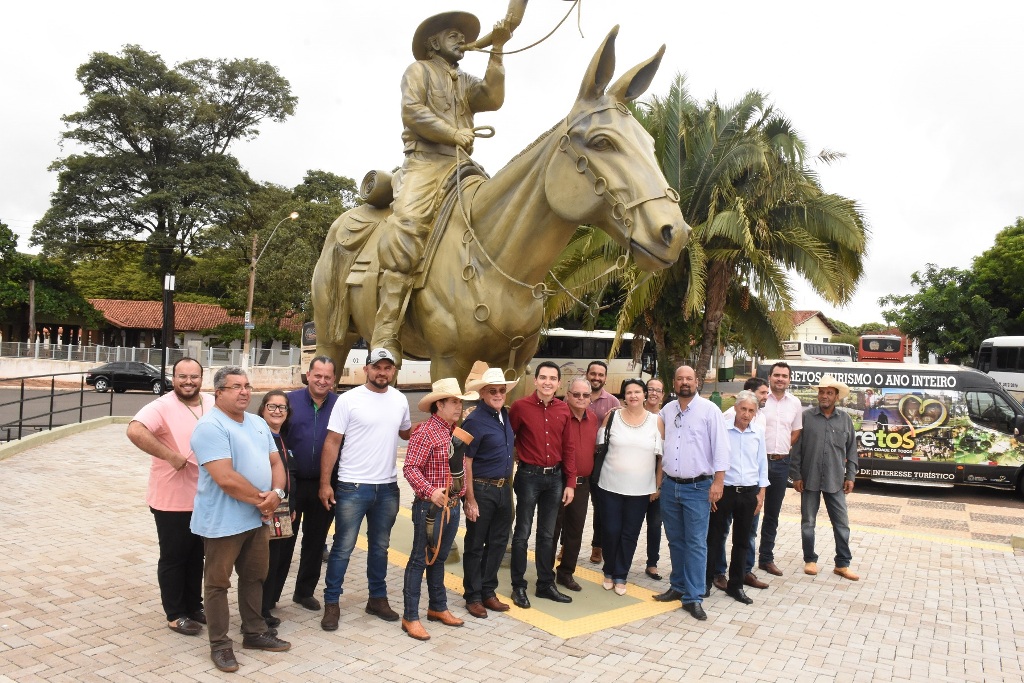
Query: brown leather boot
x,y
445,617
415,630
331,615
379,607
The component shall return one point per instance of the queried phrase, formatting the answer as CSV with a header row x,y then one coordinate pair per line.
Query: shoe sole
x,y
419,638
385,617
848,578
328,627
439,619
279,648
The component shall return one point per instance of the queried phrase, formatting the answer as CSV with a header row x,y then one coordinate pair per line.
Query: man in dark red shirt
x,y
572,518
546,452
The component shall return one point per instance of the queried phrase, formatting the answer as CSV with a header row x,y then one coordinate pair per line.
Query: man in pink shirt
x,y
163,430
783,415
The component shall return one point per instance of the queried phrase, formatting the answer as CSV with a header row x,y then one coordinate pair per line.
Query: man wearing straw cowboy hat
x,y
434,470
823,463
438,103
488,493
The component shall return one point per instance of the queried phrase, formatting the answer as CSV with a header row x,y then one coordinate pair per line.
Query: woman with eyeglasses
x,y
628,479
274,409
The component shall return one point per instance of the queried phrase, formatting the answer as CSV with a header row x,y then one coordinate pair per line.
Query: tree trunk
x,y
714,310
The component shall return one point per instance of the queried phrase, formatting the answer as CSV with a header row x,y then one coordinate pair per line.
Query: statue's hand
x,y
464,137
501,34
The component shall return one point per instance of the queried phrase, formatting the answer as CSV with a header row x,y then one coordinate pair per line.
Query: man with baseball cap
x,y
488,492
438,103
823,463
368,419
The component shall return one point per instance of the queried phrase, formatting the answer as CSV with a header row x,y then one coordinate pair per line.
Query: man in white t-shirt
x,y
362,441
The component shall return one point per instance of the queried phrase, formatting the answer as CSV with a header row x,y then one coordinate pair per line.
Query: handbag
x,y
281,521
601,450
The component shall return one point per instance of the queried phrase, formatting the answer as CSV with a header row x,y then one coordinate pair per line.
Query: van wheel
x,y
1020,485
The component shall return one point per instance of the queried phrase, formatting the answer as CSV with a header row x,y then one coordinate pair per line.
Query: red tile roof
x,y
188,317
800,317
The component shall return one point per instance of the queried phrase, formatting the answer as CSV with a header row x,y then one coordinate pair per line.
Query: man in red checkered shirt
x,y
429,472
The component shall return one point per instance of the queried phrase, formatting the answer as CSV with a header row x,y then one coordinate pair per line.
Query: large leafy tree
x,y
757,212
944,316
999,272
152,161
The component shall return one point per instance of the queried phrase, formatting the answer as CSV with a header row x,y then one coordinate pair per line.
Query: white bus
x,y
414,375
1003,359
827,351
572,351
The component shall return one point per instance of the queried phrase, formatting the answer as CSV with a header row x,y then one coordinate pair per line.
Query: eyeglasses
x,y
494,391
194,378
579,394
652,390
678,420
274,408
238,387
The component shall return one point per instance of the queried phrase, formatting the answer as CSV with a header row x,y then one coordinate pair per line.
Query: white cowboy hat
x,y
465,22
490,376
445,388
828,381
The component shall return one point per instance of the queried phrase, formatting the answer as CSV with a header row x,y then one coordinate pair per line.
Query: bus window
x,y
990,410
1006,358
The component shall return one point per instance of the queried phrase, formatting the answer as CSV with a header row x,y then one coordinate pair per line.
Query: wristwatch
x,y
280,493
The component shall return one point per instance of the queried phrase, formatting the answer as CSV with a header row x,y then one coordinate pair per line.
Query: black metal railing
x,y
43,420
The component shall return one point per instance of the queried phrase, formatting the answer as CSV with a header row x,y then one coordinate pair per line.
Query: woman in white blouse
x,y
628,480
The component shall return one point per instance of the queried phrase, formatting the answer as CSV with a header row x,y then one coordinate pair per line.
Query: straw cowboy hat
x,y
828,381
445,388
465,22
490,376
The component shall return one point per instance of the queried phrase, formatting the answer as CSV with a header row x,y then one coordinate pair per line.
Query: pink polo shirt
x,y
782,418
172,422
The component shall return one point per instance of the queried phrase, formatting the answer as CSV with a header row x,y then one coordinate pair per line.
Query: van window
x,y
990,410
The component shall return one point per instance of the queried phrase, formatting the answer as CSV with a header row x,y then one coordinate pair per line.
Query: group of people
x,y
221,478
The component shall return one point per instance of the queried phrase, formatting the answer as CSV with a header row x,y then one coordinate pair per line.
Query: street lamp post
x,y
249,323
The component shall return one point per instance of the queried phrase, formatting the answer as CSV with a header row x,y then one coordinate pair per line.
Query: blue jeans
x,y
540,493
835,505
685,511
778,481
378,503
417,564
720,562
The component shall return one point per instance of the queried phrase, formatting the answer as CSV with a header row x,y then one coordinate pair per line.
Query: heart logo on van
x,y
922,416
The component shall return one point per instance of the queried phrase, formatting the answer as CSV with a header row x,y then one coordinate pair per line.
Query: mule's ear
x,y
602,68
635,82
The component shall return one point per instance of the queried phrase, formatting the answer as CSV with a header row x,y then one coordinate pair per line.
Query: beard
x,y
186,393
685,392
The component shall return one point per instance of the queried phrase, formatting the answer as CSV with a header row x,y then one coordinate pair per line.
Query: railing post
x,y
21,410
53,389
81,400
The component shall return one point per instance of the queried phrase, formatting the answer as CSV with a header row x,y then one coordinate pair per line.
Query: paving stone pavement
x,y
79,602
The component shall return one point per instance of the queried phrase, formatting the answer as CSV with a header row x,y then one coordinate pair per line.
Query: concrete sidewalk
x,y
79,602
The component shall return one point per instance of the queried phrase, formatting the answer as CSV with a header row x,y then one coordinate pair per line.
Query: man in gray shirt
x,y
824,461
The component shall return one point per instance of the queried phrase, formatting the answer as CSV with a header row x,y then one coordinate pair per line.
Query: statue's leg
x,y
395,287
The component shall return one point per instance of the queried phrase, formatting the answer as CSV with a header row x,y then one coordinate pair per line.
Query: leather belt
x,y
691,480
778,456
582,480
741,489
499,483
537,469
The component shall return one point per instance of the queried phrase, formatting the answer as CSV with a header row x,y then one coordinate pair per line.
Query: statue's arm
x,y
416,113
488,94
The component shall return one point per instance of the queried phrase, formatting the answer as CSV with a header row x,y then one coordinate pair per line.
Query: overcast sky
x,y
925,99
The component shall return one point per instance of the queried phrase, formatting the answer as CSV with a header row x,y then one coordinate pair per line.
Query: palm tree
x,y
757,212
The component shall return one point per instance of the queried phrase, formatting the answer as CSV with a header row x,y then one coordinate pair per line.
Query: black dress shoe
x,y
519,598
696,610
738,595
184,626
670,595
653,573
199,616
272,621
224,660
310,603
552,593
707,592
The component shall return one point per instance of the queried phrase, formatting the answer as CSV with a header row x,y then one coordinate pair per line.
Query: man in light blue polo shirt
x,y
696,457
240,485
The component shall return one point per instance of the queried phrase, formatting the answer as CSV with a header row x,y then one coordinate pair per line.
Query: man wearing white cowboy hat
x,y
488,492
438,103
433,467
823,463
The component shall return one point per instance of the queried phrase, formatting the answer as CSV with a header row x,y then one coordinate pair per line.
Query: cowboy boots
x,y
394,292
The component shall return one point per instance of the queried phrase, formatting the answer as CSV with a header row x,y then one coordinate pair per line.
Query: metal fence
x,y
41,409
209,356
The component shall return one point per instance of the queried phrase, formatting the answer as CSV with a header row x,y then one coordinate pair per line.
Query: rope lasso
x,y
575,4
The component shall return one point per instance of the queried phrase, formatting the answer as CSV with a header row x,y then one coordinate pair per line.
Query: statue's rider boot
x,y
394,290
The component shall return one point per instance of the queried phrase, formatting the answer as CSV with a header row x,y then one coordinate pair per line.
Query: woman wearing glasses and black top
x,y
628,480
274,409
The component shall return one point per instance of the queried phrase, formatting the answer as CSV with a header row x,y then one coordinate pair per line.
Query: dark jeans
x,y
653,532
622,517
437,596
722,565
246,553
739,506
486,541
315,520
778,481
179,571
595,497
540,493
569,526
378,504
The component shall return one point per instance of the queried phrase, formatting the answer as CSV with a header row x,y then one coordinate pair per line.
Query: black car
x,y
124,375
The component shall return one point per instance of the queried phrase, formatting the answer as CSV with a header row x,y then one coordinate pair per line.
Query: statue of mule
x,y
481,296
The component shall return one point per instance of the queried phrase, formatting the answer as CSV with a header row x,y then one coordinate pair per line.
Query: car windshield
x,y
150,368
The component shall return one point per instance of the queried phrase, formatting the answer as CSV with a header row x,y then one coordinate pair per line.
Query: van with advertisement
x,y
935,425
